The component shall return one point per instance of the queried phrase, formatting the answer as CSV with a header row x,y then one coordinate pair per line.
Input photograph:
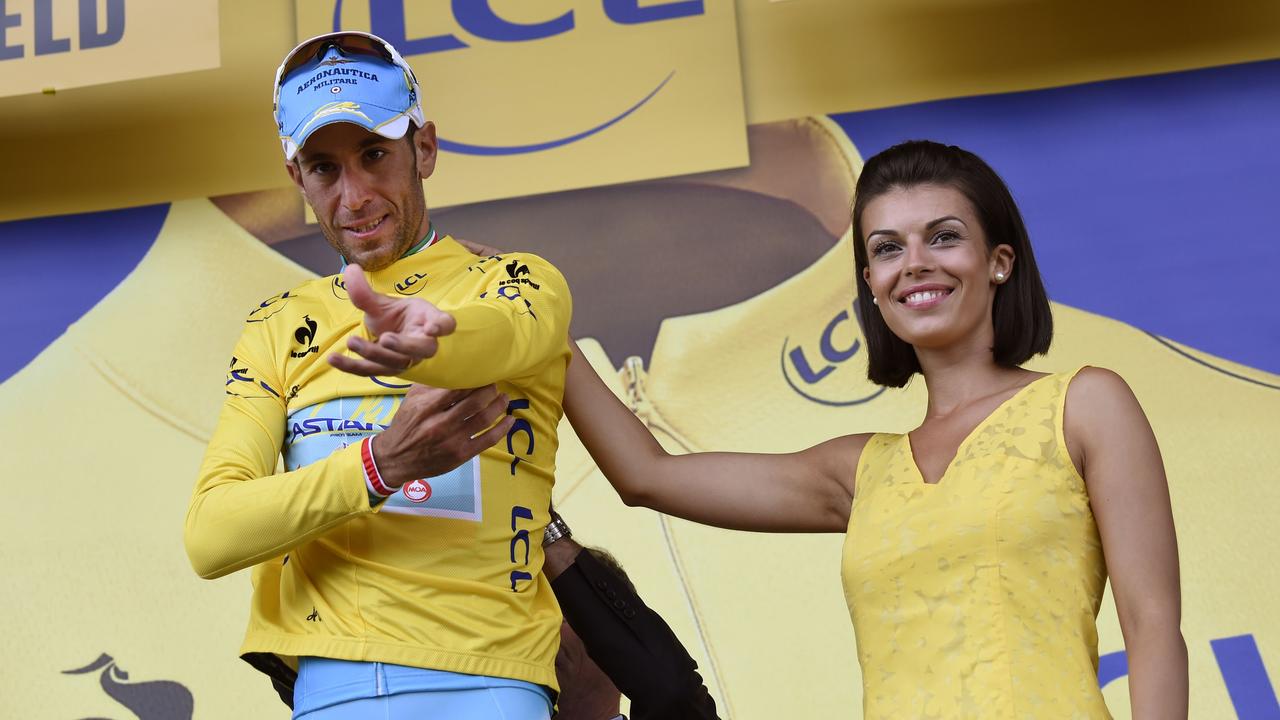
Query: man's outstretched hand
x,y
404,330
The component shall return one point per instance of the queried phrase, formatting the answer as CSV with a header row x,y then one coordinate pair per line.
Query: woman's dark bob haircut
x,y
1021,316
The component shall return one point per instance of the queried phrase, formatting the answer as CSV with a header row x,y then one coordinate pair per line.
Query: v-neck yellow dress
x,y
976,597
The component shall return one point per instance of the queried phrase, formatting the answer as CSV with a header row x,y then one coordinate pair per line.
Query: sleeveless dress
x,y
977,597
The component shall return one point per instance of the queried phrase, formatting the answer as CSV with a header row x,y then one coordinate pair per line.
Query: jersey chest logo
x,y
454,495
316,431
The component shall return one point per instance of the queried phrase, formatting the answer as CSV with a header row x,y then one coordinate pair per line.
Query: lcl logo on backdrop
x,y
822,364
479,20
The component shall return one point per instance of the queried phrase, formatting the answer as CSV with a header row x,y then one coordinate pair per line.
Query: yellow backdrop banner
x,y
537,97
50,45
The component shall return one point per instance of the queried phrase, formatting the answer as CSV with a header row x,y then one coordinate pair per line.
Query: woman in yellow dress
x,y
978,545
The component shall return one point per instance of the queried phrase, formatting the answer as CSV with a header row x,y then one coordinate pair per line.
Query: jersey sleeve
x,y
516,323
242,512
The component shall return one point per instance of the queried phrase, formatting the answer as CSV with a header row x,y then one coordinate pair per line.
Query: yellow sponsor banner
x,y
812,57
51,45
798,58
538,97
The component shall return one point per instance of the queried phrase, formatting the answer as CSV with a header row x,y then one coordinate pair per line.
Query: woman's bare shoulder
x,y
1100,407
1096,389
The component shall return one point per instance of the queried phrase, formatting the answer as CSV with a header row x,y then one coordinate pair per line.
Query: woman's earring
x,y
875,301
999,277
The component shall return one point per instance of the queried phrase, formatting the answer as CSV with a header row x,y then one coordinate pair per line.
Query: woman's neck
x,y
955,377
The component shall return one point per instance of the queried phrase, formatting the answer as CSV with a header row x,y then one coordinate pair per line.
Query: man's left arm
x,y
517,321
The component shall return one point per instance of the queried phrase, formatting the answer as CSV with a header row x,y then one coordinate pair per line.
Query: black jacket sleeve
x,y
631,644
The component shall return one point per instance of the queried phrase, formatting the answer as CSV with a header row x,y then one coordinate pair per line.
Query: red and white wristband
x,y
373,480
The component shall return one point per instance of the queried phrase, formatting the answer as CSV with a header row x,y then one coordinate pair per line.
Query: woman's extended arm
x,y
1130,500
806,491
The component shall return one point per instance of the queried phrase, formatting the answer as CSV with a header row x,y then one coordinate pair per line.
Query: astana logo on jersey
x,y
314,432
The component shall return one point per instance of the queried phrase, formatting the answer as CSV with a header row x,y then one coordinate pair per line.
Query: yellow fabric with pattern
x,y
978,596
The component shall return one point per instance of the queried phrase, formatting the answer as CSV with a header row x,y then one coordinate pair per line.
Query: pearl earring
x,y
999,277
875,301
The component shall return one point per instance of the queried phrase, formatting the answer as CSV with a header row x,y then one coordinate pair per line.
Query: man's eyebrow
x,y
363,145
312,157
372,140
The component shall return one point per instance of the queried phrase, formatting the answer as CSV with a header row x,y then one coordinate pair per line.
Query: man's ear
x,y
424,140
295,173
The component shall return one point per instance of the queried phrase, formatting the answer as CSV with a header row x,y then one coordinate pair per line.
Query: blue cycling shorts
x,y
329,689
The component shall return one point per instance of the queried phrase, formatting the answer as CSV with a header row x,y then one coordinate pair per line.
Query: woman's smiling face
x,y
929,266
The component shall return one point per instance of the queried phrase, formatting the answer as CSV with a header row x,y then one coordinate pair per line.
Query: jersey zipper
x,y
633,377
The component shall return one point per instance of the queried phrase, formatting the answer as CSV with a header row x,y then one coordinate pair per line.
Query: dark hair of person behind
x,y
1021,316
604,557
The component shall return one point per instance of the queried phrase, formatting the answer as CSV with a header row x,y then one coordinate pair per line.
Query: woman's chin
x,y
931,339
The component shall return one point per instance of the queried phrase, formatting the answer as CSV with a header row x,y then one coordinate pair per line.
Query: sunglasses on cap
x,y
349,42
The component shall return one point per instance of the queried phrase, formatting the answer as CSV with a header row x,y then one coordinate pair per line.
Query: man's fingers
x,y
490,437
361,293
360,366
380,354
485,416
475,402
442,324
414,345
431,399
427,320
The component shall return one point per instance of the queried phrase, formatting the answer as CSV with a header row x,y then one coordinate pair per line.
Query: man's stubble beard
x,y
406,235
407,228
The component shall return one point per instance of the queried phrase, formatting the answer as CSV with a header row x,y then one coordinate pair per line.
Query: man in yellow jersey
x,y
393,572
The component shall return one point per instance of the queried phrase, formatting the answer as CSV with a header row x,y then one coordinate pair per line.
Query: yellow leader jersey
x,y
445,574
